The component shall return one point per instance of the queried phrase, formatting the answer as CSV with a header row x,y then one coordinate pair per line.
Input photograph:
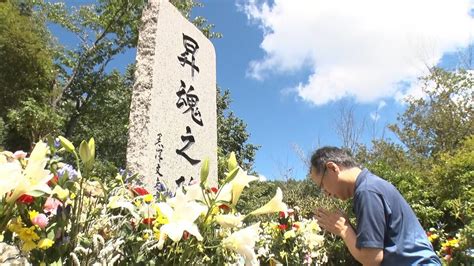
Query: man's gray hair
x,y
341,157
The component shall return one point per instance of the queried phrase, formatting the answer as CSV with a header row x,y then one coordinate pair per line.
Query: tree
x,y
348,130
26,76
232,135
442,120
69,91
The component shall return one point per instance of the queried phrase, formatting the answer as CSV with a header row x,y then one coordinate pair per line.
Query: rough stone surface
x,y
158,127
10,255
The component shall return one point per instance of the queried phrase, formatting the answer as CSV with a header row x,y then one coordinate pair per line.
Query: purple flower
x,y
57,143
69,171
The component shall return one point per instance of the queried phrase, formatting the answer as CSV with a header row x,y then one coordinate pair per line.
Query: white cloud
x,y
382,104
361,49
262,178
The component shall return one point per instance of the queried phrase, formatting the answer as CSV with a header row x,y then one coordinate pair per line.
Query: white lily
x,y
10,176
180,218
243,242
120,202
34,178
194,192
241,180
229,220
276,204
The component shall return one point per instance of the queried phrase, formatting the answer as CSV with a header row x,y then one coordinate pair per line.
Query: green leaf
x,y
231,175
35,193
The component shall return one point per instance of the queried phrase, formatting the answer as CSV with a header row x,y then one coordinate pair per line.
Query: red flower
x,y
148,221
214,189
25,199
281,214
186,235
224,207
133,223
140,191
282,226
53,181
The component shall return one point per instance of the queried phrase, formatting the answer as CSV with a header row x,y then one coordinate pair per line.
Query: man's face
x,y
325,180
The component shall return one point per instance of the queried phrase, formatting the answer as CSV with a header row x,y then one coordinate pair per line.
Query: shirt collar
x,y
361,177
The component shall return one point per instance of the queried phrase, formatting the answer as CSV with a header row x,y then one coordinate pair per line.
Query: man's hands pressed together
x,y
338,224
334,222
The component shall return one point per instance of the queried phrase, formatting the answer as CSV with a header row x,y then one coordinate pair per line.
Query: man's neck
x,y
350,177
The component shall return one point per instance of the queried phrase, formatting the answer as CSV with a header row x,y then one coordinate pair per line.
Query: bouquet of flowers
x,y
56,213
292,240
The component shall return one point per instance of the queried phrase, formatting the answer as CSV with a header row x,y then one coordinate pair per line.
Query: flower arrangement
x,y
64,214
451,247
292,240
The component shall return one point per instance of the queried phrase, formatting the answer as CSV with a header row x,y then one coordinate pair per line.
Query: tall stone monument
x,y
173,124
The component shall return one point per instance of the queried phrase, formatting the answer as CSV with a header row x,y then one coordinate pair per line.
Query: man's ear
x,y
333,167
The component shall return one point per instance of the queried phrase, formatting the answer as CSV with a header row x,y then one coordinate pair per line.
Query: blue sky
x,y
277,117
290,66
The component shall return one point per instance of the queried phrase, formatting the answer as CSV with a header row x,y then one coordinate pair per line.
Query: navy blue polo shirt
x,y
386,221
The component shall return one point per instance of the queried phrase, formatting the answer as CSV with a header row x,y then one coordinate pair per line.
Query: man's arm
x,y
337,224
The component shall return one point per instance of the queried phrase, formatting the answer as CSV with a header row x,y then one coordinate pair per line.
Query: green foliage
x,y
454,185
440,121
2,132
33,120
105,116
72,84
26,69
232,135
435,173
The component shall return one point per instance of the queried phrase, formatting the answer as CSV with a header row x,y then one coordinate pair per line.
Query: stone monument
x,y
173,125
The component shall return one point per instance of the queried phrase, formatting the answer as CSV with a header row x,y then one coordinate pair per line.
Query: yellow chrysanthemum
x,y
45,243
160,218
15,225
148,198
28,246
146,236
28,234
33,214
156,233
433,237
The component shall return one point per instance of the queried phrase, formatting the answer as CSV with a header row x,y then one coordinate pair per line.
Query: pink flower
x,y
51,205
20,155
40,220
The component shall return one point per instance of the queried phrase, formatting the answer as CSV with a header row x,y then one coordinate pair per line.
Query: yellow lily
x,y
34,178
274,205
241,180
